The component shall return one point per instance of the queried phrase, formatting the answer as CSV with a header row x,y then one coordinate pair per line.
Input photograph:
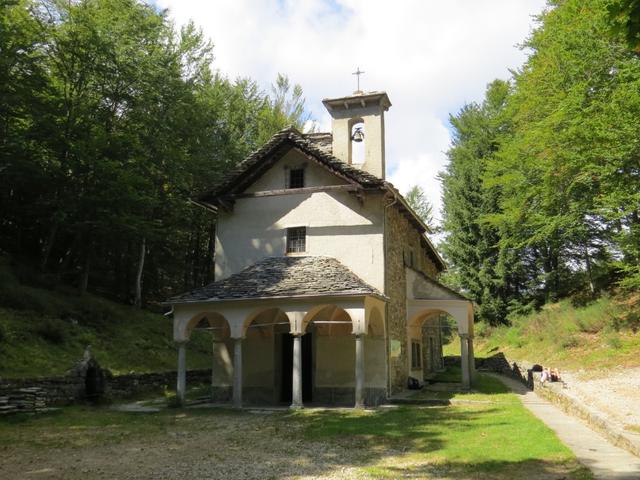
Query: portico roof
x,y
284,277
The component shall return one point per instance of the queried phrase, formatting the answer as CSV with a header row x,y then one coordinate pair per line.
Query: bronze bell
x,y
358,135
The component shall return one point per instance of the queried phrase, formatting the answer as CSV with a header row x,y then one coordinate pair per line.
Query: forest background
x,y
111,119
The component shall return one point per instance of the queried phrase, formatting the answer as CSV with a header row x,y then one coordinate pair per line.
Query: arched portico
x,y
260,332
427,297
420,311
220,334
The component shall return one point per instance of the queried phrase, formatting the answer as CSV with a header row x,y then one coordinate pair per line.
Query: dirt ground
x,y
214,444
196,447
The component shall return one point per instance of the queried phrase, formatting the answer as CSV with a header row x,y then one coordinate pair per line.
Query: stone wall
x,y
69,389
401,238
498,363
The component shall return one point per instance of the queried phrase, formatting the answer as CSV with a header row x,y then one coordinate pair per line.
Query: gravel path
x,y
606,461
616,396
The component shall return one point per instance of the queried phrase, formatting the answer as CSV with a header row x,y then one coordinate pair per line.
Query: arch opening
x,y
358,141
265,373
427,332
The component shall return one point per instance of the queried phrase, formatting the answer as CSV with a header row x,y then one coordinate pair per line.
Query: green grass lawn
x,y
496,438
493,435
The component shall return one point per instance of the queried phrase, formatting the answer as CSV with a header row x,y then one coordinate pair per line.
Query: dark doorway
x,y
287,368
94,383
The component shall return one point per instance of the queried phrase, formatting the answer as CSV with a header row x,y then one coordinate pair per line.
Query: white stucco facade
x,y
339,224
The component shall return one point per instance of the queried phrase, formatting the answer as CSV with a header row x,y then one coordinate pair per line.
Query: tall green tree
x,y
483,267
112,119
417,200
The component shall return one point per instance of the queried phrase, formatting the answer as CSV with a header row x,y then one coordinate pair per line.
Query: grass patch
x,y
45,332
595,336
459,439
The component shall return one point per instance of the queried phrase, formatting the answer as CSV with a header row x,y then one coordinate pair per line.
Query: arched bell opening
x,y
358,141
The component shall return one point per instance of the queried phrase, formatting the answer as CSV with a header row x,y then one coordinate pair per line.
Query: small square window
x,y
416,356
296,178
296,239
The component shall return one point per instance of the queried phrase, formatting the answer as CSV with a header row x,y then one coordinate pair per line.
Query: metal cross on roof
x,y
357,73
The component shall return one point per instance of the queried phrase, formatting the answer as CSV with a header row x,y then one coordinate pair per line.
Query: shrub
x,y
51,331
569,341
583,298
613,340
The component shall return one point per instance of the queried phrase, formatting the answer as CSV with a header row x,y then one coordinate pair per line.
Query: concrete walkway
x,y
606,461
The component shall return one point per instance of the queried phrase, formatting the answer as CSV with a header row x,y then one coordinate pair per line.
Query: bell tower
x,y
359,119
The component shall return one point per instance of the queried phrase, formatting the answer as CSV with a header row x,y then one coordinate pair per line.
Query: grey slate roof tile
x,y
316,145
283,277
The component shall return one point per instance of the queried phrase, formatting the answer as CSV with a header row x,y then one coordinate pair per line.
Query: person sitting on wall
x,y
545,376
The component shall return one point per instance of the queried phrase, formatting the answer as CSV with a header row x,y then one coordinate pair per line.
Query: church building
x,y
326,286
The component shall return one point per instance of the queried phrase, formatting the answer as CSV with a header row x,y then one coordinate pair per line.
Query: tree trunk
x,y
587,259
143,252
84,279
211,248
46,251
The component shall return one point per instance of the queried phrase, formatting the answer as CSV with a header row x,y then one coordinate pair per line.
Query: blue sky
x,y
431,57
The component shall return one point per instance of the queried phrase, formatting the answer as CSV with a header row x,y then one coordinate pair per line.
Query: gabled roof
x,y
277,277
316,147
258,162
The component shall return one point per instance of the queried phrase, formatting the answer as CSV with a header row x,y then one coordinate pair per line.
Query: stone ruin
x,y
91,377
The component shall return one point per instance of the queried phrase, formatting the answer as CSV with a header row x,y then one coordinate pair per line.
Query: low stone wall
x,y
23,400
498,363
69,389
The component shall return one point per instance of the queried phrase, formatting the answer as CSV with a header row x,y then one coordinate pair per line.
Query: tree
x,y
420,204
542,192
489,271
624,16
112,119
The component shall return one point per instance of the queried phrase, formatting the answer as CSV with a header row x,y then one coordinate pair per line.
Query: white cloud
x,y
429,56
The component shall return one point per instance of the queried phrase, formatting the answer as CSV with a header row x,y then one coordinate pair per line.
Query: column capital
x,y
238,338
181,343
464,336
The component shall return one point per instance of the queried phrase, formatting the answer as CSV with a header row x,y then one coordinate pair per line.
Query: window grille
x,y
296,178
296,239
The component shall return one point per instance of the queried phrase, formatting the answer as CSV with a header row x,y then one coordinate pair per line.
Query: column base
x,y
295,406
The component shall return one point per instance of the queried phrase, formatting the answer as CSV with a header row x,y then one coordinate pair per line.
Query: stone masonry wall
x,y
401,237
66,390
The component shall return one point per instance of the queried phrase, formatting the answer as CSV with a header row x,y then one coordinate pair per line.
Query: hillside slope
x,y
601,335
44,332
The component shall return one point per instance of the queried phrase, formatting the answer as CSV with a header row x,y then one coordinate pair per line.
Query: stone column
x,y
472,362
237,372
182,372
359,371
215,349
296,381
464,360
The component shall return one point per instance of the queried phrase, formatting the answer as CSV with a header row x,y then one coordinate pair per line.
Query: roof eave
x,y
377,295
